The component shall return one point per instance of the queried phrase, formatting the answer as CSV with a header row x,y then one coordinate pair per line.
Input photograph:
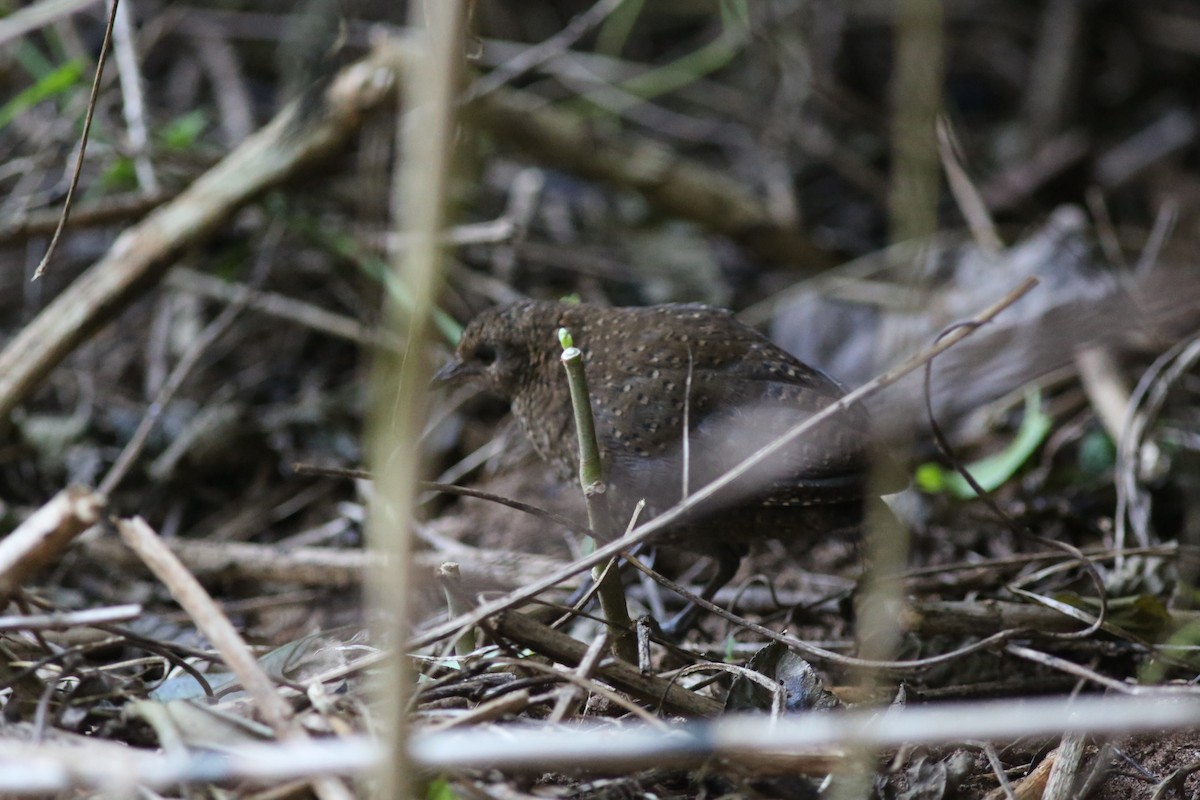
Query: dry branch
x,y
66,620
328,566
208,618
46,533
565,650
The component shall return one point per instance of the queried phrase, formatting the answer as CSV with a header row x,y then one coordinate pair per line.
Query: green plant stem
x,y
591,478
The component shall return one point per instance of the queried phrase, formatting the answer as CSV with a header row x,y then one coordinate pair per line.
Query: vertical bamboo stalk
x,y
398,401
916,102
916,93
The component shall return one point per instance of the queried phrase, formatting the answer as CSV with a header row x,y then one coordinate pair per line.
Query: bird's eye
x,y
485,354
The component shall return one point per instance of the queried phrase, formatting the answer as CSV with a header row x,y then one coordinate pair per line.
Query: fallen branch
x,y
43,536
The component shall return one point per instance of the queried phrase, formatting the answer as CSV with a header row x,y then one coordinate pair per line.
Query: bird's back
x,y
652,369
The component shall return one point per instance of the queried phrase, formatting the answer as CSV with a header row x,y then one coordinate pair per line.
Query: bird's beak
x,y
450,372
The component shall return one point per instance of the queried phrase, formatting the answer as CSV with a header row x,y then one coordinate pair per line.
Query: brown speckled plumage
x,y
648,369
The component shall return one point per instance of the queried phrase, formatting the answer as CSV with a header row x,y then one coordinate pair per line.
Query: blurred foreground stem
x,y
397,399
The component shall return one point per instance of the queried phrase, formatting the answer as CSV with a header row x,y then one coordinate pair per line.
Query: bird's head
x,y
501,348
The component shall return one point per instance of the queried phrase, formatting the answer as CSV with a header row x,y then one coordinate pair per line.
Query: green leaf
x,y
931,478
688,68
994,470
1180,651
184,131
119,174
735,12
691,67
50,85
440,789
615,30
1097,454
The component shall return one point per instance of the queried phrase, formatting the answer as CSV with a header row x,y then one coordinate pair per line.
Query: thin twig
x,y
449,488
544,51
65,620
83,140
1112,684
188,592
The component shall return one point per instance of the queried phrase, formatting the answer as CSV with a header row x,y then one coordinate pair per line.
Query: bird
x,y
681,394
